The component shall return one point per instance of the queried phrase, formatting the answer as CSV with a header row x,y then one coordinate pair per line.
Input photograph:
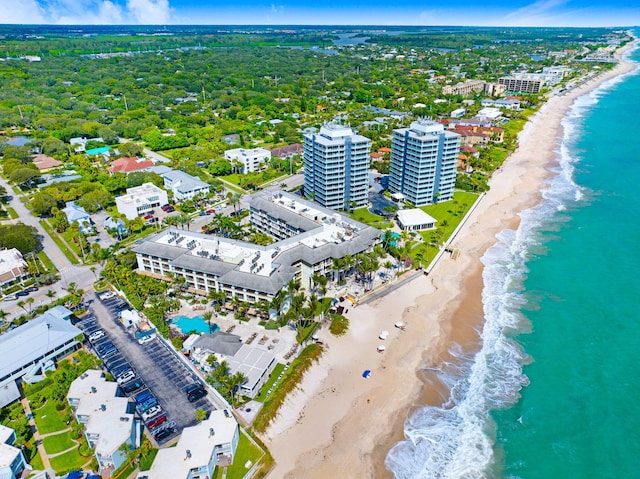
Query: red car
x,y
147,217
211,211
157,421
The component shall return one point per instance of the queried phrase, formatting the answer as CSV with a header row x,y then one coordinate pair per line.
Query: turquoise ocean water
x,y
553,392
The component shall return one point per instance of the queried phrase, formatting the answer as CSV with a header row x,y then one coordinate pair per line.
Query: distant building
x,y
458,113
31,349
12,461
336,167
287,151
201,448
252,160
523,82
232,139
77,214
464,88
494,89
490,112
129,165
140,200
45,163
183,185
13,267
79,144
107,423
423,162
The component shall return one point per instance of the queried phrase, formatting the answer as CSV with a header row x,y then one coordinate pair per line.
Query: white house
x,y
77,214
12,461
199,450
107,423
252,160
140,200
183,185
415,219
13,267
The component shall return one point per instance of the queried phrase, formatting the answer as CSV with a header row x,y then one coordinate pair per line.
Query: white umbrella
x,y
381,348
384,335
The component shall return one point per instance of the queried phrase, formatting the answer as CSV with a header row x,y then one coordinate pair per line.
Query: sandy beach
x,y
339,422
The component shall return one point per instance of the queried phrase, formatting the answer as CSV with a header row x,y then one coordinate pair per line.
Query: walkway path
x,y
37,437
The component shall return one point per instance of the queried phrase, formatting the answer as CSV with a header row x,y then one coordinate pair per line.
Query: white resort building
x,y
310,237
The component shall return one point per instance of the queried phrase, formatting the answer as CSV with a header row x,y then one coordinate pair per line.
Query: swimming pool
x,y
196,323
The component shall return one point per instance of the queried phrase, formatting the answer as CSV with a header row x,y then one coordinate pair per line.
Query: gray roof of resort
x,y
219,342
187,182
33,340
325,234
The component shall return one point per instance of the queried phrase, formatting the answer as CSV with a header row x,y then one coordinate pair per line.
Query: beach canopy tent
x,y
366,374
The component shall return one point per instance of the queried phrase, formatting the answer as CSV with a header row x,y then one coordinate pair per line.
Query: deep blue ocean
x,y
553,393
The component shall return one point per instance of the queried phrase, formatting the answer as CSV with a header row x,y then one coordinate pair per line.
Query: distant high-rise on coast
x,y
336,166
423,162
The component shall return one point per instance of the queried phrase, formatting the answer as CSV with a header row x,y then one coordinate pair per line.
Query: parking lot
x,y
157,366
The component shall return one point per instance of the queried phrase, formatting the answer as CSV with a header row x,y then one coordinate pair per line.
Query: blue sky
x,y
325,12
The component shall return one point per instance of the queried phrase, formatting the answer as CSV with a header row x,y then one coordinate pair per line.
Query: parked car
x,y
11,297
149,413
125,376
31,289
211,211
147,217
170,209
96,335
22,293
148,404
195,392
142,397
163,434
146,339
157,421
132,386
109,352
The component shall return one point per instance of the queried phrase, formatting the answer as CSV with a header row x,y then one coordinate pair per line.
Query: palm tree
x,y
51,294
207,317
21,304
30,302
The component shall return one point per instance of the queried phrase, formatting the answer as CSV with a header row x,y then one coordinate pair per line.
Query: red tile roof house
x,y
45,163
128,165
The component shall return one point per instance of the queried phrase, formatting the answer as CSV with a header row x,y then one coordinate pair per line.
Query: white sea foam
x,y
455,441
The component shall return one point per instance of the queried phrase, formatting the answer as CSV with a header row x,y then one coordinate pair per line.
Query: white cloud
x,y
22,11
83,12
150,12
540,12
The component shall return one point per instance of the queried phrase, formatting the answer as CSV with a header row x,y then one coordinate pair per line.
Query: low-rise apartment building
x,y
108,424
199,450
252,160
12,460
183,185
140,200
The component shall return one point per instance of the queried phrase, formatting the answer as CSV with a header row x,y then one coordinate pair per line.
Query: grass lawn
x,y
12,212
58,442
37,463
246,451
58,241
47,419
68,461
124,471
272,379
67,236
234,179
46,262
146,461
449,215
365,216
